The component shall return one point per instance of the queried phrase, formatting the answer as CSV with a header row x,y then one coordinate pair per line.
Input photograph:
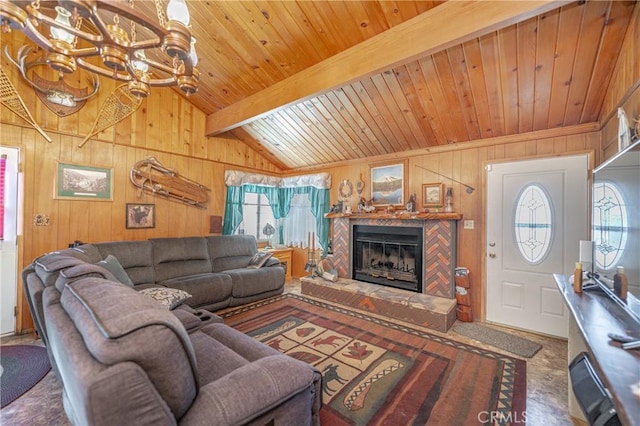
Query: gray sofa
x,y
213,270
125,359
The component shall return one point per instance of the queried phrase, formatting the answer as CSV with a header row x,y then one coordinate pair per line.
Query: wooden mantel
x,y
402,215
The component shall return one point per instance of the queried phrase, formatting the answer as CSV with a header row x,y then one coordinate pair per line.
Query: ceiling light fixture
x,y
111,39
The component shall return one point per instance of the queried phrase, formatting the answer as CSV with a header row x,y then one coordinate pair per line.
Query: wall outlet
x,y
469,224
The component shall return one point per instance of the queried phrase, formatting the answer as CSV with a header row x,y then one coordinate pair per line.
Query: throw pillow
x,y
167,297
111,264
259,259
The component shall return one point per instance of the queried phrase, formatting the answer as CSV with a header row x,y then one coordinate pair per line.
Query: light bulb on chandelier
x,y
128,44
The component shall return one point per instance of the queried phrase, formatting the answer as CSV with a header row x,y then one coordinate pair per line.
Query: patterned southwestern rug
x,y
378,372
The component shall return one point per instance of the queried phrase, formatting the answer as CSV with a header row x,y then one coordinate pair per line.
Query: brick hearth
x,y
436,313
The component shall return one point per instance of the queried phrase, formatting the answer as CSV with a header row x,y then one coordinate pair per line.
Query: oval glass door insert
x,y
609,224
533,224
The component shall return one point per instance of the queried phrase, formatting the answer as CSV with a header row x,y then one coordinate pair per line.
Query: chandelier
x,y
111,38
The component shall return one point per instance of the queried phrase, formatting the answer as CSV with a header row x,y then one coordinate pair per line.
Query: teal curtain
x,y
235,199
233,209
319,207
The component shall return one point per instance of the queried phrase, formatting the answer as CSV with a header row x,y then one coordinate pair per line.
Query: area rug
x,y
378,372
508,342
21,368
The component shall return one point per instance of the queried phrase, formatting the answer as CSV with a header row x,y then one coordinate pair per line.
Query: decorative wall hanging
x,y
345,190
76,182
140,216
624,131
151,176
58,96
41,220
388,184
119,105
10,98
468,189
360,186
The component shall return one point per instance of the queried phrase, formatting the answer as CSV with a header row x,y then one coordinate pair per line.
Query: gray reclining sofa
x,y
213,270
124,358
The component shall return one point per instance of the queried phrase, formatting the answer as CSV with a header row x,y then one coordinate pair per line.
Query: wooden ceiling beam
x,y
450,23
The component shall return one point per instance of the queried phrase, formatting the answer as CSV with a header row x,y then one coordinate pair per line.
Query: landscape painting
x,y
76,182
387,184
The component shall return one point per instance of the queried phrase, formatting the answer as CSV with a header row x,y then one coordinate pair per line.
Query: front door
x,y
536,216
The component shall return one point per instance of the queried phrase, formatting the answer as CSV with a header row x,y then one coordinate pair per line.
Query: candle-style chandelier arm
x,y
87,29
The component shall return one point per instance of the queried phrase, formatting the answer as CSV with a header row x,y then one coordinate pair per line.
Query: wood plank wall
x,y
466,164
166,126
624,90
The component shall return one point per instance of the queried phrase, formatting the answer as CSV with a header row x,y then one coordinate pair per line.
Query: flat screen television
x,y
615,221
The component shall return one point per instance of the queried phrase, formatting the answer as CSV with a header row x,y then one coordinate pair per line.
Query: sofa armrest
x,y
273,261
260,386
193,319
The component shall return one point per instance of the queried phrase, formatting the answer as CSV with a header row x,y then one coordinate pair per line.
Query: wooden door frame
x,y
19,324
483,267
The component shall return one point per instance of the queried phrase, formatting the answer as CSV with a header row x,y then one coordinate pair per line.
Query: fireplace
x,y
388,255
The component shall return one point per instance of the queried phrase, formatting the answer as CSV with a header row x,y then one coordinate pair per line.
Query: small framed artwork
x,y
388,184
140,216
76,182
432,194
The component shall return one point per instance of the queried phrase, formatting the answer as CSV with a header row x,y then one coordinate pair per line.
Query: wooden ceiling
x,y
308,83
529,73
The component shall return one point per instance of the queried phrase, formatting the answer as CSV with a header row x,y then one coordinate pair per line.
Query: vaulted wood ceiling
x,y
308,83
526,73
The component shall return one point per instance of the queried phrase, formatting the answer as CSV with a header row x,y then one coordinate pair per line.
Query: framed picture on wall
x,y
388,184
433,194
77,182
140,216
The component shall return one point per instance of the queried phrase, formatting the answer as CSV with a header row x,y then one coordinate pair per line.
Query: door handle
x,y
492,255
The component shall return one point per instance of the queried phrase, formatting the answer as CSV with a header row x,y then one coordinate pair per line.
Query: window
x,y
609,224
256,214
533,224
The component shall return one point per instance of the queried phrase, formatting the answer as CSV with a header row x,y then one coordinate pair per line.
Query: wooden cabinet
x,y
285,257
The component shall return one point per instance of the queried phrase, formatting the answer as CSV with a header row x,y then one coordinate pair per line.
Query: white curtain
x,y
299,222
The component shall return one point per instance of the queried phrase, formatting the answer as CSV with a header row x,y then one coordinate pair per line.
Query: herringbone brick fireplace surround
x,y
439,246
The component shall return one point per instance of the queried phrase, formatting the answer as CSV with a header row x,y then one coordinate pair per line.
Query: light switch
x,y
468,224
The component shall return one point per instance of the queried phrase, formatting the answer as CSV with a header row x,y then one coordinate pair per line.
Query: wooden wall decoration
x,y
61,98
10,98
120,104
151,176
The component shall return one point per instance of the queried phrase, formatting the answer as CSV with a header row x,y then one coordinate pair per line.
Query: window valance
x,y
239,178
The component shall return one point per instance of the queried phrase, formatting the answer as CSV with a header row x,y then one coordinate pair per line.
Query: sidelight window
x,y
533,224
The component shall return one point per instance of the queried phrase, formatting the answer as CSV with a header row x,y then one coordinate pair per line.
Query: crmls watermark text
x,y
502,417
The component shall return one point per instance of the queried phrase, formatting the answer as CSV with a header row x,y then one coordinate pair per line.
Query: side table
x,y
285,256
